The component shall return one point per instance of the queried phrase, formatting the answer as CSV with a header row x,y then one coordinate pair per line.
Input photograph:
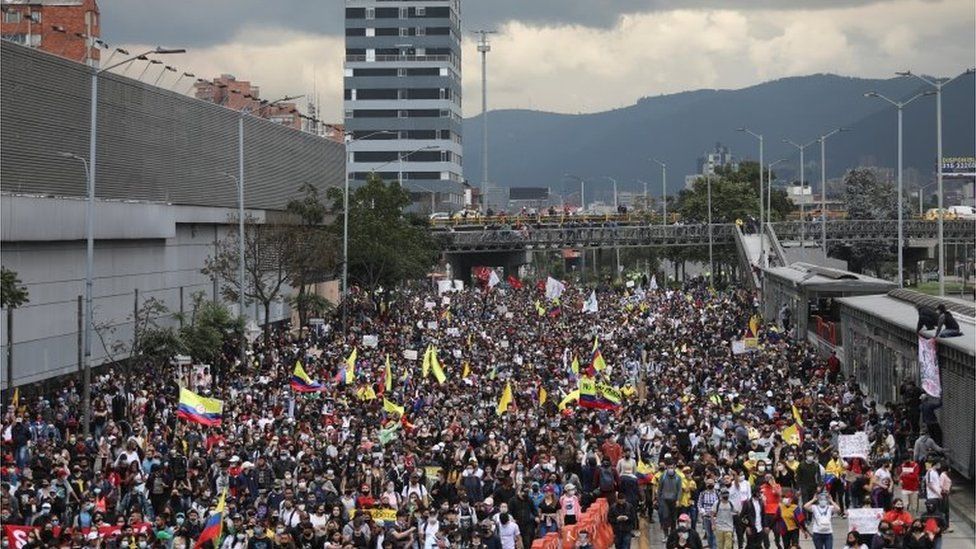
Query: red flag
x,y
541,285
514,282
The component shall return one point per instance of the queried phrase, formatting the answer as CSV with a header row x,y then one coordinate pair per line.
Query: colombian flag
x,y
300,381
214,527
198,409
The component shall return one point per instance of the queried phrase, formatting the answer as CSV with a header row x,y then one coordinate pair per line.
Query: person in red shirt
x,y
365,499
909,477
899,518
771,492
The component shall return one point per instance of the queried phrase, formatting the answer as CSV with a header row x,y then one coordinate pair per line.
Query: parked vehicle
x,y
963,212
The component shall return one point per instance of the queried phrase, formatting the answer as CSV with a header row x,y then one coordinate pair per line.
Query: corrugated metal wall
x,y
153,144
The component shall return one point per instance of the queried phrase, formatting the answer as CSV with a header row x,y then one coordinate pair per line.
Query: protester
x,y
354,454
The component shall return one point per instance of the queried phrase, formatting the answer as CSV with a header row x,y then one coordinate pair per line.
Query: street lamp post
x,y
614,181
938,85
582,183
802,188
921,196
711,261
769,191
900,105
240,244
823,188
345,225
89,223
762,239
664,188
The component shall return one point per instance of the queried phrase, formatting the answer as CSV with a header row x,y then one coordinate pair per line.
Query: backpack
x,y
607,481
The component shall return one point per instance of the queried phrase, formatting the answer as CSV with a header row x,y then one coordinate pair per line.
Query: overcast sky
x,y
569,55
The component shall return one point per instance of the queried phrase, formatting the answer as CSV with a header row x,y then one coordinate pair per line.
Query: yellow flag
x,y
505,400
425,369
575,365
388,377
435,366
351,366
467,371
797,417
392,407
539,308
571,397
543,395
16,400
791,435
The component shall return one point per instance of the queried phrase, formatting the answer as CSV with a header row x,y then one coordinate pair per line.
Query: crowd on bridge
x,y
486,418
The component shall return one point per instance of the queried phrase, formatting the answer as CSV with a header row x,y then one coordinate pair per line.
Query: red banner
x,y
17,536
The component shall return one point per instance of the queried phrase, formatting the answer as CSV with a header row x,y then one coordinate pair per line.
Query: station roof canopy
x,y
825,279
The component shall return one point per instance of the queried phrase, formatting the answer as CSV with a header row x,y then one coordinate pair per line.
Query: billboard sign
x,y
958,166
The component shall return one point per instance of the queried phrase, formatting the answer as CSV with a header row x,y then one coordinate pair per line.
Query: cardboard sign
x,y
856,445
865,520
410,354
432,325
371,341
383,515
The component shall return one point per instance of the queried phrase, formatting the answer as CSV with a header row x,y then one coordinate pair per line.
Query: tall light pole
x,y
823,188
614,181
921,196
484,47
345,224
938,85
900,105
644,183
89,222
769,190
762,238
802,188
711,261
582,183
240,247
664,187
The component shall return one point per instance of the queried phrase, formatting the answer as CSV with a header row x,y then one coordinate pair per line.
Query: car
x,y
963,212
933,215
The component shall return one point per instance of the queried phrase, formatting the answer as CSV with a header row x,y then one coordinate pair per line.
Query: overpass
x,y
491,242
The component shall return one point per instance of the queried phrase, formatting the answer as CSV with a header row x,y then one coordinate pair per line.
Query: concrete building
x,y
69,28
166,195
720,157
403,78
240,95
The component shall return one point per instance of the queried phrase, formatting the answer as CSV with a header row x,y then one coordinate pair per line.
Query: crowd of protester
x,y
697,445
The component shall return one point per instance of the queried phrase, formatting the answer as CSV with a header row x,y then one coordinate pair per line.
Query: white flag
x,y
591,306
653,283
554,288
493,279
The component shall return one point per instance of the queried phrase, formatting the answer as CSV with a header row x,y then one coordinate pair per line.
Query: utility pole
x,y
484,47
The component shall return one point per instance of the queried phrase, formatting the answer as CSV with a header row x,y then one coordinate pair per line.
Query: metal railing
x,y
589,234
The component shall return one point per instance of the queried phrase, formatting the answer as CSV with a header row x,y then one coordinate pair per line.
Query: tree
x,y
385,246
266,273
210,326
312,255
155,343
868,197
12,293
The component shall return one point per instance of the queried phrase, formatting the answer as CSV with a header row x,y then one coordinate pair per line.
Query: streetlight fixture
x,y
823,187
769,191
664,187
802,188
900,105
938,84
240,251
582,183
89,220
762,239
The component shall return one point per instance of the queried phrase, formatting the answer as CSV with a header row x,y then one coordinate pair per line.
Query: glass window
x,y
11,16
370,13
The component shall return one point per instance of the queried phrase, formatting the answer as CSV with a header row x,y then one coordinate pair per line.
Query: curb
x,y
961,513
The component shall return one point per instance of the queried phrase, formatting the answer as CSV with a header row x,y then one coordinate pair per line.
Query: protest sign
x,y
410,354
865,520
856,445
371,341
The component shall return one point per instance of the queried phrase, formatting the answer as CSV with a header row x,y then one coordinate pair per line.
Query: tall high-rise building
x,y
69,28
403,96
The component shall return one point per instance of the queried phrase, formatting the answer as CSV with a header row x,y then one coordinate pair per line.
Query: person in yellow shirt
x,y
788,527
688,489
836,472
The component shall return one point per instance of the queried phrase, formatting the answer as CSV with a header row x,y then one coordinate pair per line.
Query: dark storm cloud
x,y
201,23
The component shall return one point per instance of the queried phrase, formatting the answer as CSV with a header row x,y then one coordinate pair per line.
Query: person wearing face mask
x,y
853,541
821,509
723,521
683,536
808,476
668,491
898,517
918,537
885,538
789,520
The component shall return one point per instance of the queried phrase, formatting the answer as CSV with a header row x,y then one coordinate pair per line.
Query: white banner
x,y
865,520
856,445
371,341
928,367
410,354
